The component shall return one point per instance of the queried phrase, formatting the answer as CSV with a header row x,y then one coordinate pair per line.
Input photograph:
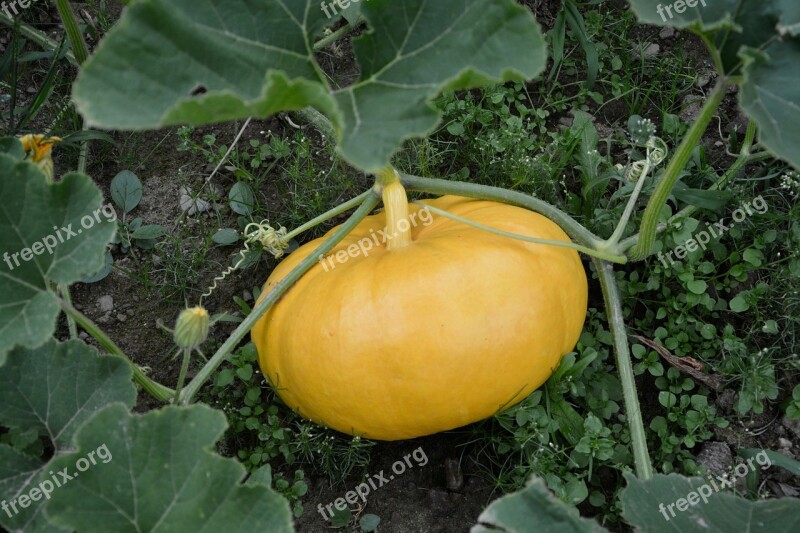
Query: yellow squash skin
x,y
451,329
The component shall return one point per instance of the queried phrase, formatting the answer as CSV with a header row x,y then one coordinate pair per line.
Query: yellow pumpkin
x,y
442,325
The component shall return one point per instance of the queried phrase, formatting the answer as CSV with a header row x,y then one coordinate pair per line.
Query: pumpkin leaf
x,y
161,475
53,389
646,507
533,508
770,95
462,44
12,146
46,236
231,59
352,13
16,472
758,40
215,60
101,274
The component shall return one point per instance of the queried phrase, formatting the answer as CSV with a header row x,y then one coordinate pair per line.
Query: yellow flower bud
x,y
191,329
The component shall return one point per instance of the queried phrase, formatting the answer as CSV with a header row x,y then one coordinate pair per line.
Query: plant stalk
x,y
641,457
395,207
744,158
319,121
612,242
258,311
335,36
324,217
38,37
647,230
187,355
563,244
63,289
156,390
484,192
73,31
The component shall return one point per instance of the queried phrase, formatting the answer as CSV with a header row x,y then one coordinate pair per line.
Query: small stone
x,y
667,32
566,121
716,456
792,425
247,296
83,335
122,317
105,303
651,50
192,206
784,443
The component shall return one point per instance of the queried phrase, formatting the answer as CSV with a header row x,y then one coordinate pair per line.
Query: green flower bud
x,y
191,328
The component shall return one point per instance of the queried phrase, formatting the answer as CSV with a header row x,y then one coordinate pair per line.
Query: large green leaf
x,y
161,475
533,508
38,217
646,506
200,61
53,390
418,48
771,96
759,41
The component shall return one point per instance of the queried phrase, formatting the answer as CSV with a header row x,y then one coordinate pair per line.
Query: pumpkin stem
x,y
398,228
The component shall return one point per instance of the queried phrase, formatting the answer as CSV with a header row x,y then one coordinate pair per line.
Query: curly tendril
x,y
272,240
657,152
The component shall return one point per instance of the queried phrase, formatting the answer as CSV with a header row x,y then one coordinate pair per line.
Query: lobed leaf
x,y
646,506
32,212
53,389
162,476
533,508
196,62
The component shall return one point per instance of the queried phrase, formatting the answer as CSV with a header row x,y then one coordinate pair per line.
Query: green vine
x,y
648,228
367,205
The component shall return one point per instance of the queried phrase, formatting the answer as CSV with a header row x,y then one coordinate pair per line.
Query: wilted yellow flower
x,y
39,150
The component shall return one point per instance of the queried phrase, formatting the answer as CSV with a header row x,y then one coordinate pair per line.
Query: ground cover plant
x,y
690,241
